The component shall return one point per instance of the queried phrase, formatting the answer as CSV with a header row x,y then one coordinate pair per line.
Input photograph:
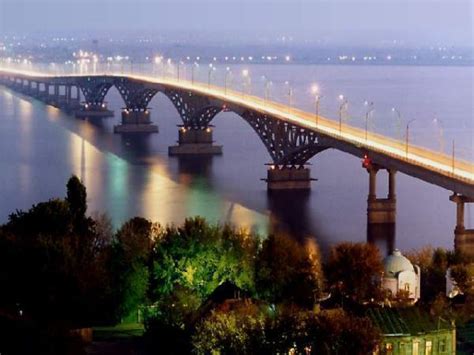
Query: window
x,y
442,346
407,287
416,347
388,348
429,347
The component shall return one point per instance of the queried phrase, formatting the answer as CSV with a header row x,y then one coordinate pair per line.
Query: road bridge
x,y
291,136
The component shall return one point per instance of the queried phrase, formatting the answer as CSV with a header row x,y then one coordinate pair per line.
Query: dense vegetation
x,y
64,270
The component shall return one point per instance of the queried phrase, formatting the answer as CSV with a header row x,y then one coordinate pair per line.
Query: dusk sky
x,y
352,21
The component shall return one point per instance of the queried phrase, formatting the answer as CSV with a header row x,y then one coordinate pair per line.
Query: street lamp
x,y
317,99
290,93
211,69
246,75
370,109
178,67
407,136
268,83
193,67
343,105
439,125
399,121
227,73
453,160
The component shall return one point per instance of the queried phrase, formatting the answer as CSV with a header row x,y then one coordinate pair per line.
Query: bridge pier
x,y
73,102
381,212
286,177
195,141
93,110
463,238
136,121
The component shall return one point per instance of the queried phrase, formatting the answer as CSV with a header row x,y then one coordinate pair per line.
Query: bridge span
x,y
291,136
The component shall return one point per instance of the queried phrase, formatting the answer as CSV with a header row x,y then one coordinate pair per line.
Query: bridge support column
x,y
288,178
463,238
136,121
195,141
72,103
94,110
381,212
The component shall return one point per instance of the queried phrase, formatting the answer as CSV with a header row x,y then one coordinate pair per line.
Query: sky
x,y
448,22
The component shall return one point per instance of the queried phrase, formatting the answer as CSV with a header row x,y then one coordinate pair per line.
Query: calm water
x,y
40,147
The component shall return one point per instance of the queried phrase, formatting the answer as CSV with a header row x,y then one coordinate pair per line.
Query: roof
x,y
405,321
395,263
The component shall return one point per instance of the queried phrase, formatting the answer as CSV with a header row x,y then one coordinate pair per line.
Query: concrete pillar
x,y
391,184
381,212
288,178
136,121
463,237
372,183
195,141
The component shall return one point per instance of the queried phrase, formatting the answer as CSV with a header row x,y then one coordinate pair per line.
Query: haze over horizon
x,y
345,22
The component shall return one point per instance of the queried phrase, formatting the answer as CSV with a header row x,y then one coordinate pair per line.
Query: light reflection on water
x,y
40,147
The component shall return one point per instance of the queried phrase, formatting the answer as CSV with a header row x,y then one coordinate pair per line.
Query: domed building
x,y
401,275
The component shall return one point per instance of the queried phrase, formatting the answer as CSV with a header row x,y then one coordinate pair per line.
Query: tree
x,y
130,264
54,272
239,331
433,265
287,271
354,270
76,197
200,257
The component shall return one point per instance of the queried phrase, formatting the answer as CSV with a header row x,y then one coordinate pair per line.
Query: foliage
x,y
200,257
288,272
52,261
240,331
253,330
130,264
354,270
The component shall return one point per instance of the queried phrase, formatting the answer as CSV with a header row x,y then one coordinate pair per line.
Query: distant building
x,y
413,331
401,275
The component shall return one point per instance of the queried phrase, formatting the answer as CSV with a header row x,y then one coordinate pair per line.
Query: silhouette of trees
x,y
354,270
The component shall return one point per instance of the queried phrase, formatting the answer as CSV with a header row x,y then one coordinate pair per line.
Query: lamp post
x,y
193,67
344,103
317,99
439,125
399,121
246,75
370,109
268,83
179,63
211,69
227,73
290,94
407,137
453,158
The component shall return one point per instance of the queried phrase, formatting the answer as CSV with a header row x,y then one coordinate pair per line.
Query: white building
x,y
401,275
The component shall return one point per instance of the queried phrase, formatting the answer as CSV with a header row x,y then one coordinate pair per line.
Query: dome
x,y
395,263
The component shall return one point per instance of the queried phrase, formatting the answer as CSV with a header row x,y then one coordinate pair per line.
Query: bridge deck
x,y
454,172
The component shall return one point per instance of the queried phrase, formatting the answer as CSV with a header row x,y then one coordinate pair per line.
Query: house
x,y
412,331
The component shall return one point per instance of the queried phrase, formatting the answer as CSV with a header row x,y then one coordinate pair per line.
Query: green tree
x,y
130,264
200,257
287,271
354,270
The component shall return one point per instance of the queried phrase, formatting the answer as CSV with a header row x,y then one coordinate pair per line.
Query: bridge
x,y
291,136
